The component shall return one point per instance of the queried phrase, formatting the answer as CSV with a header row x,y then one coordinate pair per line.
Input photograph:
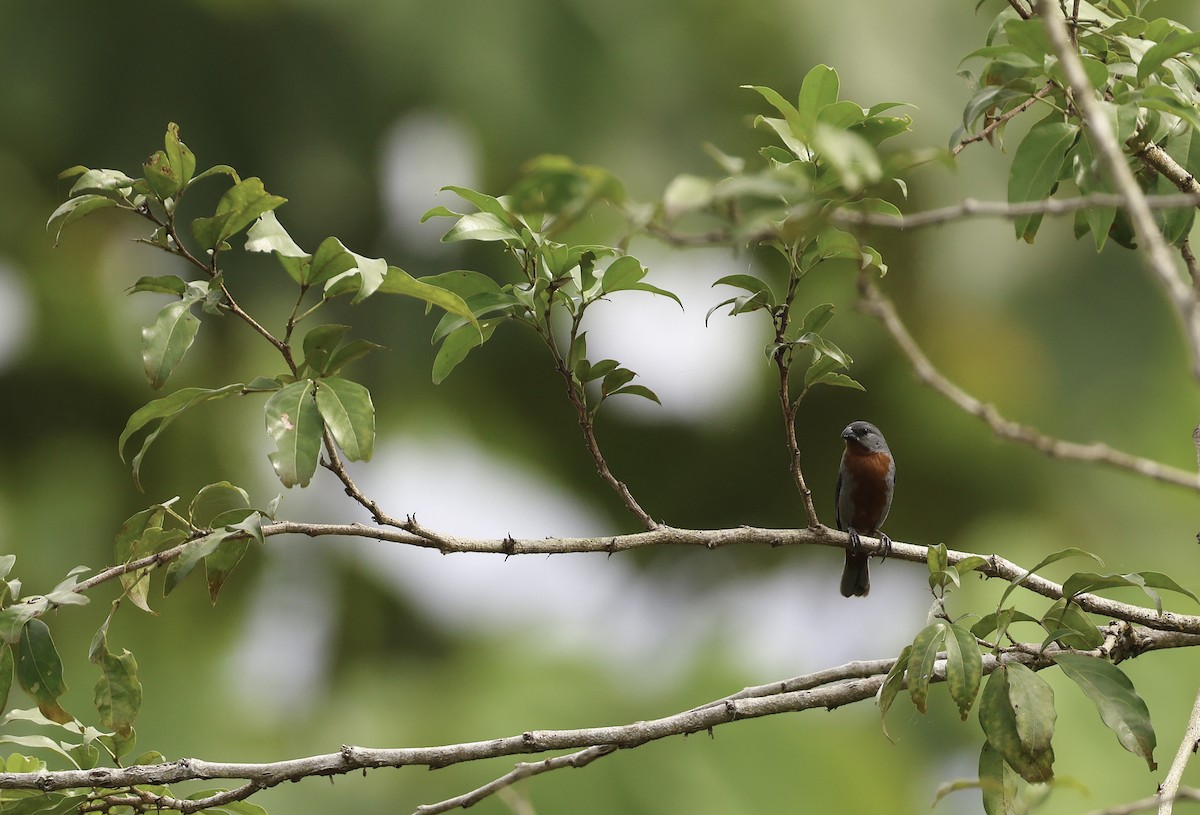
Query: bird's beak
x,y
847,434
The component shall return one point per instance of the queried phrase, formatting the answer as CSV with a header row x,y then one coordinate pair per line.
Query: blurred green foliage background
x,y
358,112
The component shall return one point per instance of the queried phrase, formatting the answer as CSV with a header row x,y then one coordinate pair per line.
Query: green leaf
x,y
194,552
75,208
330,260
181,159
295,425
351,351
925,648
481,226
164,411
964,668
457,345
997,782
7,664
349,414
118,691
792,130
462,282
482,201
241,204
1032,701
160,176
757,287
1053,557
1065,615
891,686
163,284
165,343
838,380
818,90
637,390
14,618
1120,707
39,670
319,344
215,500
268,235
1159,580
686,193
998,720
1036,168
220,563
113,183
399,281
1154,58
616,379
623,273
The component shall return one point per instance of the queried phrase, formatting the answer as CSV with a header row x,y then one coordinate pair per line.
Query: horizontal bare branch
x,y
995,567
972,208
829,689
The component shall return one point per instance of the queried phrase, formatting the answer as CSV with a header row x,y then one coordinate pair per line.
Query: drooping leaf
x,y
75,208
925,648
891,686
118,691
1036,167
166,341
193,553
164,411
1032,701
294,423
399,281
638,390
40,670
349,414
999,722
457,345
1120,707
220,563
1053,557
964,668
997,782
319,344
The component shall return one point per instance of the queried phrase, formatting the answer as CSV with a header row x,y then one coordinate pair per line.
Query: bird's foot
x,y
886,542
855,541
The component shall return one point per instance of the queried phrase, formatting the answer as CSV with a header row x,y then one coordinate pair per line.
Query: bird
x,y
865,482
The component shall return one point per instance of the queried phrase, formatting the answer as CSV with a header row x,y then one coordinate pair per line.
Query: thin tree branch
x,y
1158,255
826,689
585,417
878,306
1168,790
972,208
580,758
1146,804
996,566
997,122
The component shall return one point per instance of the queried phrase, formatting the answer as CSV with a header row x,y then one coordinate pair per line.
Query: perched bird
x,y
864,487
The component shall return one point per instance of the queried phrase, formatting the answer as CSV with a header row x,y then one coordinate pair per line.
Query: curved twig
x,y
878,306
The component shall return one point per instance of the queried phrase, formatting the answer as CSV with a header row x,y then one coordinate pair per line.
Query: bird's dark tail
x,y
856,576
